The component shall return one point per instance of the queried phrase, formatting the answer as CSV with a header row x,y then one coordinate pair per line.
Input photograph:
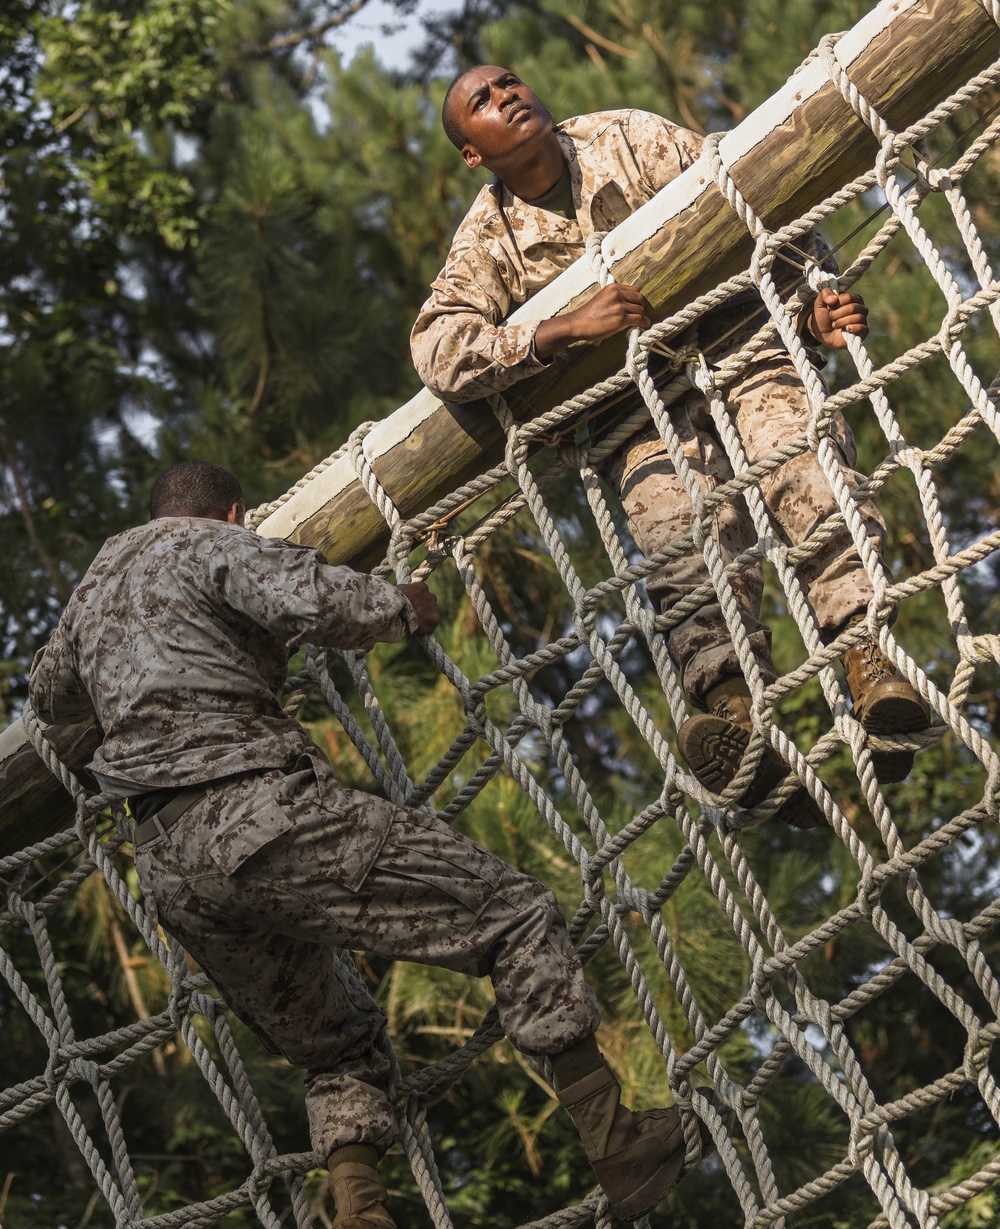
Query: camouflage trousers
x,y
769,407
348,870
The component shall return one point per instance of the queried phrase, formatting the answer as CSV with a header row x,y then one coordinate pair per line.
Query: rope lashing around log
x,y
619,907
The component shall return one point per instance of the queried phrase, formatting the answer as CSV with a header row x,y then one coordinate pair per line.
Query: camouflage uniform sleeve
x,y
460,347
293,593
661,148
55,689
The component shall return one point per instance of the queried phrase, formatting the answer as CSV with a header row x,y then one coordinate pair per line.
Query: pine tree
x,y
238,282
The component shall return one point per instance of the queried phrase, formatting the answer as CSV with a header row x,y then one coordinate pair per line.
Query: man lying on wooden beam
x,y
553,187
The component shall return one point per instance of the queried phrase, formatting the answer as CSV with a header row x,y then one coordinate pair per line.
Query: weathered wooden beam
x,y
799,146
33,803
802,144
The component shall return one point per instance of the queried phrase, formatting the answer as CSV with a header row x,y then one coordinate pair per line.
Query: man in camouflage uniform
x,y
260,863
553,187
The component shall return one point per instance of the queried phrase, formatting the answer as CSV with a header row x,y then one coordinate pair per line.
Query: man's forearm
x,y
554,335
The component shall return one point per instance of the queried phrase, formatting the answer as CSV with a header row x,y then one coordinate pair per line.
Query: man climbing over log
x,y
554,186
177,642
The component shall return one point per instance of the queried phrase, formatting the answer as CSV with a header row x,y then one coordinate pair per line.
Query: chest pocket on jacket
x,y
609,207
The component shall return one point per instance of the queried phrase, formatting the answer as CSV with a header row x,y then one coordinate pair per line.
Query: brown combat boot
x,y
638,1157
713,745
884,703
357,1189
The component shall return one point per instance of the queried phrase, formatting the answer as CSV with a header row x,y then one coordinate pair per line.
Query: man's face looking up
x,y
498,115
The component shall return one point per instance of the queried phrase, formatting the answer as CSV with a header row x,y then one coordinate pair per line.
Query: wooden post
x,y
799,146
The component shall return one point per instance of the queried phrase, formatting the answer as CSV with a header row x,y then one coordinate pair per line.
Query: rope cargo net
x,y
621,897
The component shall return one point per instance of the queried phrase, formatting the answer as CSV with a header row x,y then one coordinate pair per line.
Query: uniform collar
x,y
538,226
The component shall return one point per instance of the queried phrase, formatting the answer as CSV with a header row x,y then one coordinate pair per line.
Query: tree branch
x,y
313,34
589,32
59,582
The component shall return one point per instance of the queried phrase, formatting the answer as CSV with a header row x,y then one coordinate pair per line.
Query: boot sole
x,y
713,749
902,711
895,714
891,767
361,1221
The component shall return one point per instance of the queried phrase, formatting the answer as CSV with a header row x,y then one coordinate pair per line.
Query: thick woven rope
x,y
511,729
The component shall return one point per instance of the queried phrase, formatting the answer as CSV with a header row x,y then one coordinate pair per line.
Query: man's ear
x,y
235,515
472,157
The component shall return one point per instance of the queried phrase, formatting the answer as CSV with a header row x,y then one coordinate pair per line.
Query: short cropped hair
x,y
195,488
449,122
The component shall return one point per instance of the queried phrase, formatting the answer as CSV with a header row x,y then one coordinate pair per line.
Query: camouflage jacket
x,y
178,637
506,250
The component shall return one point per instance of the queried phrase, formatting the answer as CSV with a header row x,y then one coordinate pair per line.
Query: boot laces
x,y
875,663
735,709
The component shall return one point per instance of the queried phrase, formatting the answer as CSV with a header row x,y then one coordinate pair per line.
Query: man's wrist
x,y
805,329
555,334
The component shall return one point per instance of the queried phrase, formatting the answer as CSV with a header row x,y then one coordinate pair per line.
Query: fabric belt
x,y
166,815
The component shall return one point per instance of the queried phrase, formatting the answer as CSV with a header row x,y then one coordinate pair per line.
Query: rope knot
x,y
477,718
516,453
585,618
179,1003
697,370
977,1054
124,825
760,986
400,545
86,1069
56,1069
937,179
948,930
863,1143
593,888
952,327
818,279
259,1182
869,894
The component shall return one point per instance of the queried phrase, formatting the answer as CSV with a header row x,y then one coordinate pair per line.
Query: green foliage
x,y
126,72
215,238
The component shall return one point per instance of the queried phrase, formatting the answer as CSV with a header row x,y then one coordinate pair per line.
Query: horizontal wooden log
x,y
802,144
33,803
795,149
